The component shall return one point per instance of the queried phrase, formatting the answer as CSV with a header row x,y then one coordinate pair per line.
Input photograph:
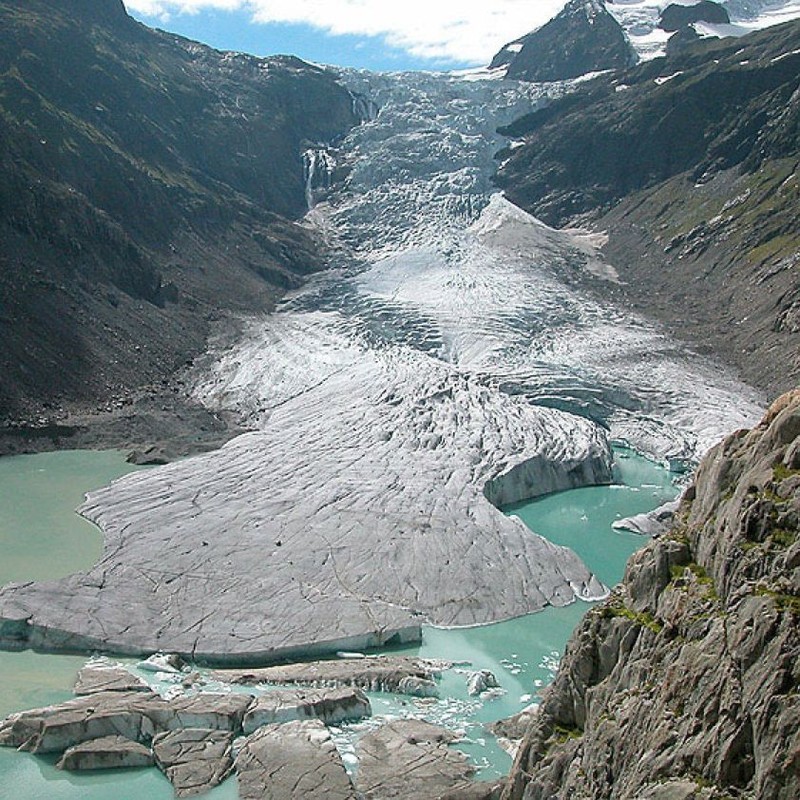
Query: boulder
x,y
194,759
108,752
480,681
163,662
294,761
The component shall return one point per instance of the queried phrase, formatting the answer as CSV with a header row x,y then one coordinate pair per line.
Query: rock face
x,y
582,38
684,683
689,164
132,208
410,759
292,761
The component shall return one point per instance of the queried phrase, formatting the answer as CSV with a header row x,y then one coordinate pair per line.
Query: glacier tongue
x,y
444,363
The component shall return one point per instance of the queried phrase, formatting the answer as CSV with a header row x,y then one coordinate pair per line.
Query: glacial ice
x,y
446,362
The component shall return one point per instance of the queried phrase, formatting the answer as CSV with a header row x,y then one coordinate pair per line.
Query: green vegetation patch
x,y
564,733
785,603
643,618
780,472
701,578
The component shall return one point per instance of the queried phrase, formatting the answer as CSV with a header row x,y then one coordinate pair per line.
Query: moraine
x,y
445,361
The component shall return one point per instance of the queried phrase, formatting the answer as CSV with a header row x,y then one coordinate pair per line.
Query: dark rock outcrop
x,y
582,38
684,683
147,186
675,17
689,164
681,40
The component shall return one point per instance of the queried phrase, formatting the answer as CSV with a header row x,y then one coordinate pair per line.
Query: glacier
x,y
449,361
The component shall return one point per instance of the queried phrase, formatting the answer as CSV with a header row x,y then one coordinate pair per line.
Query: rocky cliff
x,y
684,683
148,184
690,165
582,38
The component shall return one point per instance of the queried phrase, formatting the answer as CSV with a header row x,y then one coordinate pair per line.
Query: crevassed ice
x,y
445,360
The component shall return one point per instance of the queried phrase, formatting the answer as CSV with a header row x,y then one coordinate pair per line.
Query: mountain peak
x,y
584,37
105,12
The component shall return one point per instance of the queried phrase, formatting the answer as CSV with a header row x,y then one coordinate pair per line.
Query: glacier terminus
x,y
451,360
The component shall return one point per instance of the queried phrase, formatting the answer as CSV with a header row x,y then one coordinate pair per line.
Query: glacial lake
x,y
42,538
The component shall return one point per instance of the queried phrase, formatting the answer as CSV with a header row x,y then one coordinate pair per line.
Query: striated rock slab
x,y
411,759
330,706
292,761
109,752
651,523
94,679
514,727
194,759
373,674
478,790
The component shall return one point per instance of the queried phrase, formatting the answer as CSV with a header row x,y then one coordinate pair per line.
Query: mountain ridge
x,y
583,37
150,185
689,165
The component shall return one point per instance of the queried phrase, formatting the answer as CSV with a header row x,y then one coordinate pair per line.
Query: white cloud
x,y
436,29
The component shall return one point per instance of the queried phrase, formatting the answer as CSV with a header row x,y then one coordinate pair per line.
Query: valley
x,y
378,311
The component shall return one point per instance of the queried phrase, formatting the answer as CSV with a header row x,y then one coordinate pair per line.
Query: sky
x,y
369,34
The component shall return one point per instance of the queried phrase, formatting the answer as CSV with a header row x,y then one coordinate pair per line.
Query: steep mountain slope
x,y
690,164
683,684
582,38
147,184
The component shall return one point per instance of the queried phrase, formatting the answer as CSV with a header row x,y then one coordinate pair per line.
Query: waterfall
x,y
318,166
